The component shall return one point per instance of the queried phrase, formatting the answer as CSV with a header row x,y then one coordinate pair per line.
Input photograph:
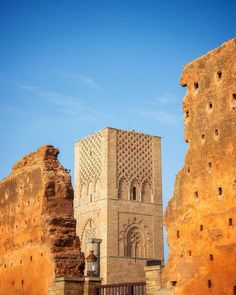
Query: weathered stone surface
x,y
201,216
118,199
38,241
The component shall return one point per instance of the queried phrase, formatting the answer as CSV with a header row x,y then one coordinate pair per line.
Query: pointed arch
x,y
83,193
134,191
89,231
98,190
123,189
146,191
135,242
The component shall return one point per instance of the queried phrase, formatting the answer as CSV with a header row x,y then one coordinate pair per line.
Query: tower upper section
x,y
118,164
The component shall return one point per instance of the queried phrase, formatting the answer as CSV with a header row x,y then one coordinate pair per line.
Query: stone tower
x,y
118,199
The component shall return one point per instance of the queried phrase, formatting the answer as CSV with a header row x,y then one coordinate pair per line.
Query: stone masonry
x,y
118,199
38,239
201,216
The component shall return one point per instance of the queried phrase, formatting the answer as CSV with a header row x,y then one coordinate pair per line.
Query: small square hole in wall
x,y
210,105
209,165
230,222
220,191
219,74
189,253
196,85
188,170
201,227
196,195
209,284
203,137
177,234
216,132
187,114
173,283
211,257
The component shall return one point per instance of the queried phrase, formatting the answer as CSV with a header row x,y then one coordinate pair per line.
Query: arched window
x,y
134,193
135,245
134,190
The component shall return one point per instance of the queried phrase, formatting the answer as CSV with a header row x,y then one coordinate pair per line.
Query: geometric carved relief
x,y
134,157
135,239
90,168
91,157
89,231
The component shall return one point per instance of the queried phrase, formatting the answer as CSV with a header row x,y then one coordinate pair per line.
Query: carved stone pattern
x,y
91,158
134,156
134,223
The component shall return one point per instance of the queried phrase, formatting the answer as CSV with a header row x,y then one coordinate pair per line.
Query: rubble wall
x,y
37,229
201,216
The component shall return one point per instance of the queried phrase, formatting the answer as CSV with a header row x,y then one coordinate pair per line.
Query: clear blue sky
x,y
69,68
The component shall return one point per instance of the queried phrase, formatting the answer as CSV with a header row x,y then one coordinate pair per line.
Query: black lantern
x,y
91,264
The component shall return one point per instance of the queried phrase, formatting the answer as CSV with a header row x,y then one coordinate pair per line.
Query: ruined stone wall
x,y
37,228
201,216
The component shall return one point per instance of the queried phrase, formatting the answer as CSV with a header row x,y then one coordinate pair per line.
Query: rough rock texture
x,y
201,216
38,241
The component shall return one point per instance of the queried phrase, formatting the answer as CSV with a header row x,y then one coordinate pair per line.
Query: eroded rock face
x,y
201,216
38,241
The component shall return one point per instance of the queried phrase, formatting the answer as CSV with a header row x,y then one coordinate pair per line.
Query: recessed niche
x,y
188,170
203,137
220,191
177,234
187,114
22,282
196,85
31,258
196,195
41,254
219,74
13,283
21,261
201,227
216,132
234,96
210,105
174,283
189,253
209,283
211,257
230,222
209,165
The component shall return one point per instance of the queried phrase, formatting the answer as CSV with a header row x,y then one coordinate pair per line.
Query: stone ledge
x,y
60,279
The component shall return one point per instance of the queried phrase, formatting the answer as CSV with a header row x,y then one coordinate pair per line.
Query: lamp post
x,y
91,264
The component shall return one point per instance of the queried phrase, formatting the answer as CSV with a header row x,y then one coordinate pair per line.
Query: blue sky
x,y
69,68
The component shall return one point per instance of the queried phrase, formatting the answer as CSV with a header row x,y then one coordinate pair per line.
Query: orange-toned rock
x,y
201,216
38,241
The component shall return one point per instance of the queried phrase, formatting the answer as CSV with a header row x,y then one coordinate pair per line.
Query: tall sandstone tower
x,y
118,199
201,216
